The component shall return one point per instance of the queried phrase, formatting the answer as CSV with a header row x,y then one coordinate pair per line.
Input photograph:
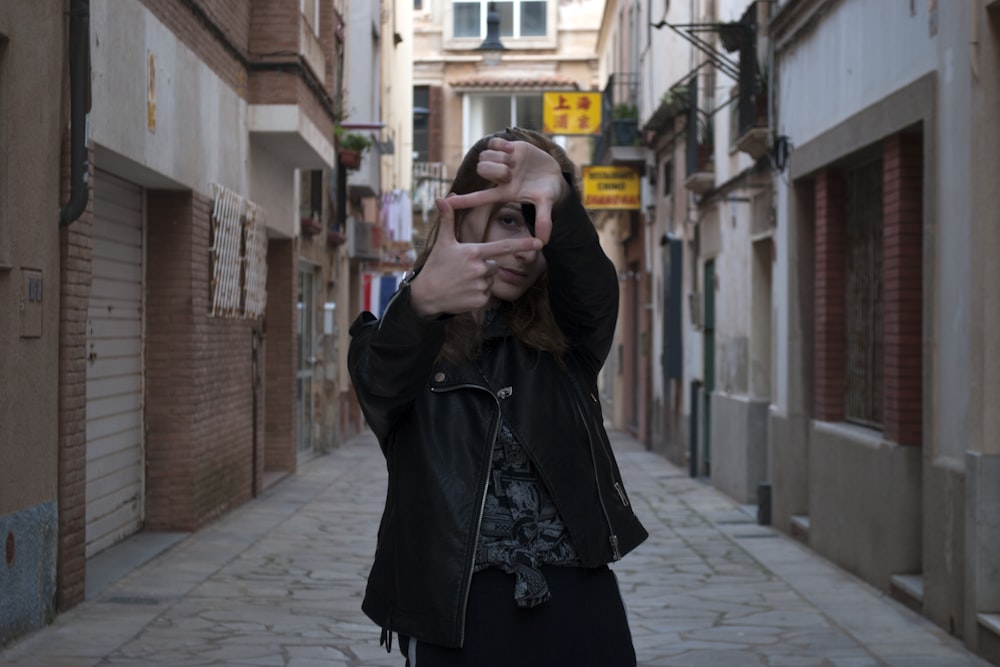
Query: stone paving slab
x,y
278,583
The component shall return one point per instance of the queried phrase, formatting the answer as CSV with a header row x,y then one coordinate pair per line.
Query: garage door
x,y
115,485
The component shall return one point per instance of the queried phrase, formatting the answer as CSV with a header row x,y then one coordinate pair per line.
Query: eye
x,y
510,219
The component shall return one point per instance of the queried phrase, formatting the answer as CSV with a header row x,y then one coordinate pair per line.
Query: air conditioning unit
x,y
362,240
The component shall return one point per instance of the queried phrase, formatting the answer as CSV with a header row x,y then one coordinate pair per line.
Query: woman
x,y
505,502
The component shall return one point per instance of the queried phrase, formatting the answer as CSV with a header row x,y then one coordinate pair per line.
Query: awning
x,y
494,84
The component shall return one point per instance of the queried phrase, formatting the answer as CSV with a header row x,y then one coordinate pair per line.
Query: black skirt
x,y
582,625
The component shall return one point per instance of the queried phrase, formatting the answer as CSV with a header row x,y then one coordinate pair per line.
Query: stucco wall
x,y
32,63
200,133
739,446
864,502
32,107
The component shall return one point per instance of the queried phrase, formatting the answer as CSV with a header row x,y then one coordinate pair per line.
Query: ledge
x,y
700,182
799,528
755,142
990,621
908,589
284,130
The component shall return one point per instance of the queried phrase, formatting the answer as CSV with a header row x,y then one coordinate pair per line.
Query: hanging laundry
x,y
378,289
397,215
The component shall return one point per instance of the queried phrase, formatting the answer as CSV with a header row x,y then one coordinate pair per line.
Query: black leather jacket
x,y
436,424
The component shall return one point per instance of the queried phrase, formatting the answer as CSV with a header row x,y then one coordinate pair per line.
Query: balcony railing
x,y
430,181
700,144
619,115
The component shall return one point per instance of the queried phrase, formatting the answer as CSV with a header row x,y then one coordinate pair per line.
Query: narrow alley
x,y
278,583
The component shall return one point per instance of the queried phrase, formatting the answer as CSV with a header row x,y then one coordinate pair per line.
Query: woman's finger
x,y
496,172
446,228
474,199
487,251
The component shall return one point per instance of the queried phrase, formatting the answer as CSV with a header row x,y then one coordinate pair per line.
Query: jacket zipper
x,y
619,487
482,502
613,538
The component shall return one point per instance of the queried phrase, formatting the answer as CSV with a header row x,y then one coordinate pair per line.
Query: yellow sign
x,y
571,113
611,188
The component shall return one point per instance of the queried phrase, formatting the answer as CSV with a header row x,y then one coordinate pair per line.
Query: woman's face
x,y
517,271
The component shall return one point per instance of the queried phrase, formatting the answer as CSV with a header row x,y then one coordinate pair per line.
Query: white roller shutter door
x,y
115,481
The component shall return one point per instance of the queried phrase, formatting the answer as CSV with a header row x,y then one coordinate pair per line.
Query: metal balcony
x,y
620,140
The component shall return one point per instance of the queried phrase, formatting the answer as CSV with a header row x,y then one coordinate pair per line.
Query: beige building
x,y
461,93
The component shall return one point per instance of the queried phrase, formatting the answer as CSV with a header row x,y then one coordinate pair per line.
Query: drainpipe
x,y
79,71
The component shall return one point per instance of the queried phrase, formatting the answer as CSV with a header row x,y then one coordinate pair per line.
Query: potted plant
x,y
352,146
676,98
625,119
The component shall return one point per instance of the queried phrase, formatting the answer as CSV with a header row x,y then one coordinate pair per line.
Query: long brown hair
x,y
530,316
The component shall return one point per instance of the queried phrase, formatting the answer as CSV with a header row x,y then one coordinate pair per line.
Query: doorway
x,y
305,395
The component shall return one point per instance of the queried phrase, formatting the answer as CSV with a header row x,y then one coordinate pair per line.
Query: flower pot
x,y
350,159
626,132
311,227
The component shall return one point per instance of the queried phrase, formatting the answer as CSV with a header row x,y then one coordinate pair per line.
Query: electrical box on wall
x,y
31,303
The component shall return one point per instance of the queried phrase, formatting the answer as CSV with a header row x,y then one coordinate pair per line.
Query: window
x,y
421,123
518,18
489,113
863,294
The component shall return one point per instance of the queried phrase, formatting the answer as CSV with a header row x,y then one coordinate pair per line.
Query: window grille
x,y
255,263
239,256
864,294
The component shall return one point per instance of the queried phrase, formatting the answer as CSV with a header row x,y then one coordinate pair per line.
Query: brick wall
x,y
830,333
281,328
75,245
902,206
902,201
331,36
199,396
274,26
170,356
222,426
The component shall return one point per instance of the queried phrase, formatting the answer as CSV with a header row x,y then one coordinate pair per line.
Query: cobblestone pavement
x,y
278,583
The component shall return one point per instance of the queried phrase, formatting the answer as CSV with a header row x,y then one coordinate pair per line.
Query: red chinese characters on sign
x,y
571,113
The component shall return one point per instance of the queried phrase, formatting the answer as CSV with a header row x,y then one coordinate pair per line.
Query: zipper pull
x,y
621,493
614,547
505,393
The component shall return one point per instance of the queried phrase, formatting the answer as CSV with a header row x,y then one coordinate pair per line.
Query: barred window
x,y
864,294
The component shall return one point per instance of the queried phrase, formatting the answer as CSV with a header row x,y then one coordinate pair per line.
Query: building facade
x,y
172,260
820,296
882,432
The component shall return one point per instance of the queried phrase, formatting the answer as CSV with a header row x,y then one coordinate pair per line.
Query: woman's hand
x,y
458,277
523,173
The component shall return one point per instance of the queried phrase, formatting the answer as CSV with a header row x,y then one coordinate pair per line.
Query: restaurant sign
x,y
611,188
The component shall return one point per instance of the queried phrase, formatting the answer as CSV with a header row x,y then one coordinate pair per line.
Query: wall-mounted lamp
x,y
492,47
